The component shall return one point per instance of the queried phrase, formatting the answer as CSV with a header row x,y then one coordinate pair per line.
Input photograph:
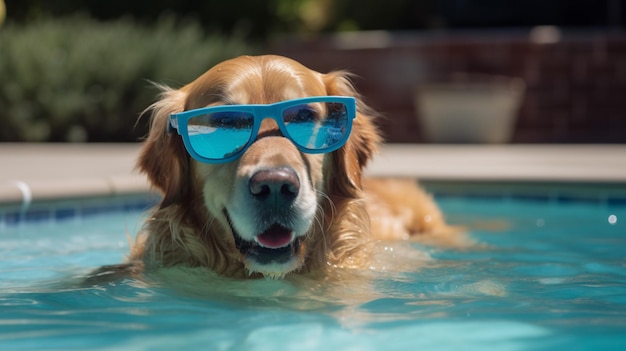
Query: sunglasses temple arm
x,y
172,124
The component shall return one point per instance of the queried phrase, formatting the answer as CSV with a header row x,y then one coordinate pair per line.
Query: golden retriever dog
x,y
260,164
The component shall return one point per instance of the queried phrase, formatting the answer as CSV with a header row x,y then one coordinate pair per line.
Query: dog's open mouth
x,y
276,245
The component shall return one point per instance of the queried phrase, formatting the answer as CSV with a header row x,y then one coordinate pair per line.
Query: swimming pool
x,y
552,275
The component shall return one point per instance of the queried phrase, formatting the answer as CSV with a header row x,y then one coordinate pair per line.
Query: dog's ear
x,y
348,162
163,157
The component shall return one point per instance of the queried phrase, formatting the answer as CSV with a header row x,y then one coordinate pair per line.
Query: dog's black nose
x,y
276,185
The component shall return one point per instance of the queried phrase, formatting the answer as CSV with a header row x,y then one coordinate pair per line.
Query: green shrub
x,y
76,79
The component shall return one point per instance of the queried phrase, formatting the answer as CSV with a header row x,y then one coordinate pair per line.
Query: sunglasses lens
x,y
221,134
318,126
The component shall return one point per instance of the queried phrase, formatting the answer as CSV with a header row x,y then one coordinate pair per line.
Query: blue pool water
x,y
550,276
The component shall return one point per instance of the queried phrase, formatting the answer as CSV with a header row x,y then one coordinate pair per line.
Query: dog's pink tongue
x,y
275,237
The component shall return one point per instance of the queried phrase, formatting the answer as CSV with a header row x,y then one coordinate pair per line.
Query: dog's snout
x,y
280,185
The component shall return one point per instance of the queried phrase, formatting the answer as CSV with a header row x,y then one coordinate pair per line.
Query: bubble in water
x,y
612,219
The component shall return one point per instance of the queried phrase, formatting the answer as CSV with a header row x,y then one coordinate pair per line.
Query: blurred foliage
x,y
77,79
266,19
256,19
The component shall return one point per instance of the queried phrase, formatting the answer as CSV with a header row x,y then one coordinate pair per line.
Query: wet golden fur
x,y
189,227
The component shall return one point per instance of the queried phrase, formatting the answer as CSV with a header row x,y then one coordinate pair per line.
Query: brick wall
x,y
576,85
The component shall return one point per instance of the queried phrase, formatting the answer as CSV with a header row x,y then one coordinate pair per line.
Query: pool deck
x,y
36,172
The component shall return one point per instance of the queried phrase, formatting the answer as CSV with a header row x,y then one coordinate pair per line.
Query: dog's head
x,y
271,201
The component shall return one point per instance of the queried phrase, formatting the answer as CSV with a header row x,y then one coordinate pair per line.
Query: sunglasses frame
x,y
179,122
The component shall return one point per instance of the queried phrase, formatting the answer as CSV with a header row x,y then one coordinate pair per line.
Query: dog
x,y
281,190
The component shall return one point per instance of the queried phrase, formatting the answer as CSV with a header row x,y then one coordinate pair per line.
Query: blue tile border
x,y
66,210
617,202
53,211
533,198
65,213
600,194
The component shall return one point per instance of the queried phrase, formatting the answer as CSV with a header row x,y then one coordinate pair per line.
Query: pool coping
x,y
46,172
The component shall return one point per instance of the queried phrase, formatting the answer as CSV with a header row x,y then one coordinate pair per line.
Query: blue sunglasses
x,y
220,134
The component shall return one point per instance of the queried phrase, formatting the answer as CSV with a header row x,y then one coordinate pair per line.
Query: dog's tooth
x,y
274,275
